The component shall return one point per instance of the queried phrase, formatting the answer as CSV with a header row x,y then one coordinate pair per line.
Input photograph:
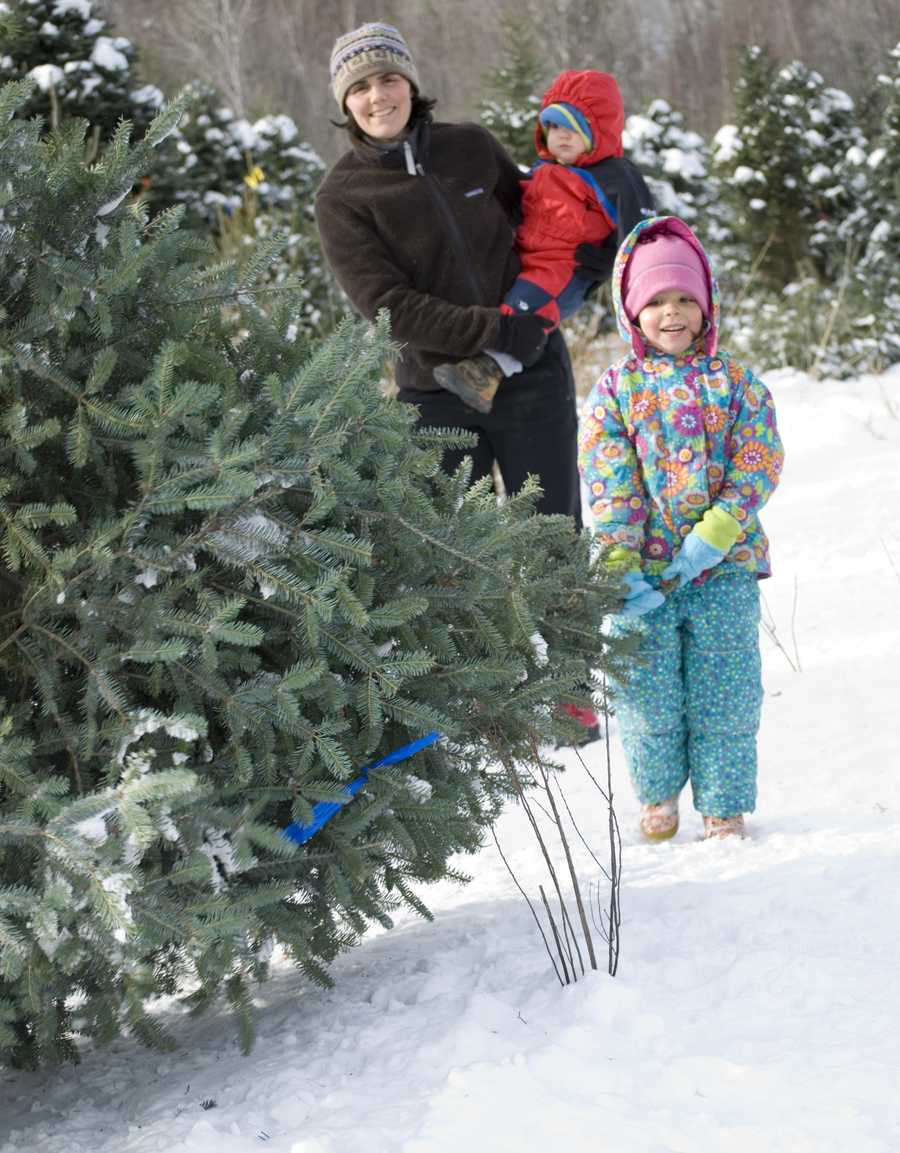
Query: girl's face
x,y
381,105
564,145
671,321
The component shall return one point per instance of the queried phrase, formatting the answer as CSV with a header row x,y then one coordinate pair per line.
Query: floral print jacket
x,y
665,438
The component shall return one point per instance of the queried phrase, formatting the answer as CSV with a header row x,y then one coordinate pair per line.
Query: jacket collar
x,y
393,155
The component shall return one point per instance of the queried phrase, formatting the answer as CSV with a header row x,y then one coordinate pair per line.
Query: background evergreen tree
x,y
672,159
244,182
511,107
233,573
80,67
876,289
238,181
781,168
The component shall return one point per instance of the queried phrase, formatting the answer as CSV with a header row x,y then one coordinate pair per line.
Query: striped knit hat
x,y
568,116
366,50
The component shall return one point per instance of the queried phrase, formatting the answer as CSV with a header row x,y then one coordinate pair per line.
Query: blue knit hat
x,y
568,116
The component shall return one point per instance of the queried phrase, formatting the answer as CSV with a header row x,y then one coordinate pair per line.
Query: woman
x,y
418,218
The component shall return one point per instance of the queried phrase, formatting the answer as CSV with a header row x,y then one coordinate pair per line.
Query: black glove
x,y
523,335
595,261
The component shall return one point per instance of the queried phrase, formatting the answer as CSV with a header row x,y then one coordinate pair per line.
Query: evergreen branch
x,y
442,546
99,675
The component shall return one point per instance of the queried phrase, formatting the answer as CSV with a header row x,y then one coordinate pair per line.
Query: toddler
x,y
581,192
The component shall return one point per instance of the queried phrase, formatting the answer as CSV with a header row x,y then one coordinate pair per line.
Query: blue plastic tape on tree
x,y
325,810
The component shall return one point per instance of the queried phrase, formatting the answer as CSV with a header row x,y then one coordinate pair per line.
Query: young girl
x,y
679,452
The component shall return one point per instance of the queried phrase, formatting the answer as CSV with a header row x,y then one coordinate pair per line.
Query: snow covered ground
x,y
757,1005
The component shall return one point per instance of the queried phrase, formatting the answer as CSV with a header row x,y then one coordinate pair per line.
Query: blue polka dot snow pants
x,y
690,707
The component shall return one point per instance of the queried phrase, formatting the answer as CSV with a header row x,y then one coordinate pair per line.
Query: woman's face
x,y
381,105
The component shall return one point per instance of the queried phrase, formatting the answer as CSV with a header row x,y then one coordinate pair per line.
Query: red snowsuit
x,y
561,209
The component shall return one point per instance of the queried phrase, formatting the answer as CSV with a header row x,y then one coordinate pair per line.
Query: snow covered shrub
x,y
807,216
785,171
80,68
672,159
875,292
244,182
238,181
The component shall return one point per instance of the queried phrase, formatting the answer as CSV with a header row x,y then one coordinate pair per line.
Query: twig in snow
x,y
768,627
614,916
888,403
794,623
554,930
573,875
891,560
568,932
537,919
849,261
540,792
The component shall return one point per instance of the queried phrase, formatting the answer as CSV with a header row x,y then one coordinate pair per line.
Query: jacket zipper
x,y
456,236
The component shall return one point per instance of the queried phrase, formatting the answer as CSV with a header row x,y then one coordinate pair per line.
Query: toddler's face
x,y
671,321
564,145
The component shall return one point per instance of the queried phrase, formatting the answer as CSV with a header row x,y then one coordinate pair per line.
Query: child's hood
x,y
648,227
596,95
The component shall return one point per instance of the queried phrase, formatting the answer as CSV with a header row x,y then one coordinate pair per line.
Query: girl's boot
x,y
659,822
721,827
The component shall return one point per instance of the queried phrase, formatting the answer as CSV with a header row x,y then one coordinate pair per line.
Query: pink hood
x,y
676,227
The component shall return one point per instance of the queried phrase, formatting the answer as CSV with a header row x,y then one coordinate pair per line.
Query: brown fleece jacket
x,y
435,248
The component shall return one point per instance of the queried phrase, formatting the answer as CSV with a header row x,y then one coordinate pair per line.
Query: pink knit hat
x,y
659,263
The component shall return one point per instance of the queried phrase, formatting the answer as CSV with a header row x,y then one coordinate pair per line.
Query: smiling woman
x,y
418,218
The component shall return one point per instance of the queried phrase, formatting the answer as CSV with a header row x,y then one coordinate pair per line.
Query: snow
x,y
46,76
539,645
756,1000
277,125
245,134
149,94
93,829
219,851
81,7
727,143
421,790
113,203
744,175
146,721
107,53
677,162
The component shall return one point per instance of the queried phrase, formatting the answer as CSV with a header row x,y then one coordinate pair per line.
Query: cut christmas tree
x,y
232,575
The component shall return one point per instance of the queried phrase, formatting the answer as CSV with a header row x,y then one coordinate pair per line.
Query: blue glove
x,y
695,557
640,597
